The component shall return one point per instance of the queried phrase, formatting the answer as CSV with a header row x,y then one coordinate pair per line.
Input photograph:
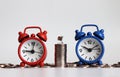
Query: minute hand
x,y
94,47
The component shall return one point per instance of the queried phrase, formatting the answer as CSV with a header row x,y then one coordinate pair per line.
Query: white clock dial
x,y
89,49
31,50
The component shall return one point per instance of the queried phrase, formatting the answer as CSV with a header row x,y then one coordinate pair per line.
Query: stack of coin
x,y
60,53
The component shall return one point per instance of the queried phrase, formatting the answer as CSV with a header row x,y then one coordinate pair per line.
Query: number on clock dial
x,y
89,49
32,50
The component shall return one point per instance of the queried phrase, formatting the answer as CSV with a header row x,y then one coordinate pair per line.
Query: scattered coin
x,y
68,65
94,66
116,65
2,65
118,62
105,66
9,65
17,66
71,65
84,66
50,65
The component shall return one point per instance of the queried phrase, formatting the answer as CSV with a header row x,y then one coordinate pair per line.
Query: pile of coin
x,y
105,66
88,66
71,65
49,65
60,53
9,65
68,65
117,65
76,65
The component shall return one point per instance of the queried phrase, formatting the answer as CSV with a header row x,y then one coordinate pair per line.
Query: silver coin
x,y
60,55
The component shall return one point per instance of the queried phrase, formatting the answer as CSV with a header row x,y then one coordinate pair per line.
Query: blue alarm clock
x,y
89,48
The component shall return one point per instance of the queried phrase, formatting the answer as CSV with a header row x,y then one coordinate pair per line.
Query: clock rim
x,y
93,61
40,59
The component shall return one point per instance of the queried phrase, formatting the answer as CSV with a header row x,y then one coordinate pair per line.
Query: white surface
x,y
59,17
60,72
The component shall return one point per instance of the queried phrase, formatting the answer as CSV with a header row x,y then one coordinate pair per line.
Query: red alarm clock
x,y
32,50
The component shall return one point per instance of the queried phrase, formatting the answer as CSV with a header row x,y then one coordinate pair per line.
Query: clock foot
x,y
100,62
22,64
80,62
41,64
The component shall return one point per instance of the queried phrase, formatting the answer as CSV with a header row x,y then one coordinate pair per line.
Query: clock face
x,y
89,49
31,50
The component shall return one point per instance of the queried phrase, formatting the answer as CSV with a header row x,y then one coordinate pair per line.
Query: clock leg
x,y
80,62
100,62
41,64
22,64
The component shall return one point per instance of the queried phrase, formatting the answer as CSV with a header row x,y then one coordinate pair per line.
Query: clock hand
x,y
27,50
88,49
33,44
30,51
40,52
94,47
85,47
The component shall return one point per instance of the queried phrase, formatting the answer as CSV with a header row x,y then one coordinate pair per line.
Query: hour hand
x,y
84,47
26,50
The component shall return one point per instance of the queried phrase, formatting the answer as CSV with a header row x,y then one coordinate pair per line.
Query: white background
x,y
59,17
